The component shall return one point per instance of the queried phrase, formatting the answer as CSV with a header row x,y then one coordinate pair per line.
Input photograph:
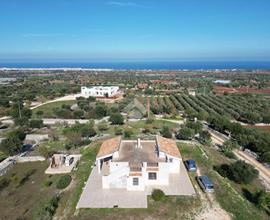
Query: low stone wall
x,y
30,159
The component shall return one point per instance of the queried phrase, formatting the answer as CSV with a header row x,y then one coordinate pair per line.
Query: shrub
x,y
118,131
230,155
116,119
48,210
63,182
128,133
25,177
239,172
103,126
78,114
205,137
36,123
166,132
101,111
4,183
185,134
47,183
196,126
158,195
262,199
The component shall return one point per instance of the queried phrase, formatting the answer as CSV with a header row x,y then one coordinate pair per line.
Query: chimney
x,y
139,143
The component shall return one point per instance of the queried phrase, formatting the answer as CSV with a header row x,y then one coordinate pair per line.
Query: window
x,y
171,160
135,181
152,176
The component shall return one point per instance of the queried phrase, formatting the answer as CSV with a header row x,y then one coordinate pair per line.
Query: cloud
x,y
125,4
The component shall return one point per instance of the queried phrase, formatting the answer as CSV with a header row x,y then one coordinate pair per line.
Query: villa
x,y
133,165
99,91
126,171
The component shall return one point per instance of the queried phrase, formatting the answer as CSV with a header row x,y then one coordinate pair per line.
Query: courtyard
x,y
94,196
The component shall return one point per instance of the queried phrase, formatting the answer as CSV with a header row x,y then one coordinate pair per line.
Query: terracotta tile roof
x,y
109,146
168,146
135,174
152,169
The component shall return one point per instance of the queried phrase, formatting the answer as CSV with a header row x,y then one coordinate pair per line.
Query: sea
x,y
189,65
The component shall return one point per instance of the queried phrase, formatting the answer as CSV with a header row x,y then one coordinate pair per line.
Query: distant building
x,y
142,86
224,82
192,92
135,110
99,91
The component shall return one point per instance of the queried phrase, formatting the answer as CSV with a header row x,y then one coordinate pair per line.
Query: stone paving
x,y
94,196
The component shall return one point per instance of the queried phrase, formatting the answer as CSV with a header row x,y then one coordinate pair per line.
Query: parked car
x,y
205,183
191,165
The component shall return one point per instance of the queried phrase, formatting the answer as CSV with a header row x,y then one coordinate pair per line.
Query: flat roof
x,y
129,152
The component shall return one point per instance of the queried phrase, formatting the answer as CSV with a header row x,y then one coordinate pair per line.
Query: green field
x,y
48,109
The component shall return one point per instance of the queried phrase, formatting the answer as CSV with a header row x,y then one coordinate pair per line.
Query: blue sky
x,y
99,30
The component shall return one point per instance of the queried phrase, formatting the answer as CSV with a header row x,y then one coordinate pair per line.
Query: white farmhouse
x,y
136,164
99,91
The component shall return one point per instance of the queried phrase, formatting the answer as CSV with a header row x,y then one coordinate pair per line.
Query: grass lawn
x,y
228,194
48,109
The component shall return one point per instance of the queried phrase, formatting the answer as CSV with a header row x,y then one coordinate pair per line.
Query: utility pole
x,y
148,107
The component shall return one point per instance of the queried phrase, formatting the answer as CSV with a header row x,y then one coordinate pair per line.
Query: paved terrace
x,y
129,152
93,196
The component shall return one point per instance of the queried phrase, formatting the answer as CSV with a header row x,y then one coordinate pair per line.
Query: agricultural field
x,y
246,108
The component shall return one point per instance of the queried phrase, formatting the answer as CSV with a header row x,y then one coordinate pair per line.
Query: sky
x,y
104,30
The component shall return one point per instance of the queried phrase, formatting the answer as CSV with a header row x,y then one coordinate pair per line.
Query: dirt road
x,y
211,209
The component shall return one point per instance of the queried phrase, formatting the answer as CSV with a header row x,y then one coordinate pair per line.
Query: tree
x,y
78,114
63,113
205,137
166,132
265,157
262,199
185,133
13,143
266,117
101,111
36,123
148,91
202,115
196,126
239,172
116,119
91,99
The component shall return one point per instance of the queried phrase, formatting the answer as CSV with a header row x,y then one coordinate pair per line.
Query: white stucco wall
x,y
131,187
174,166
99,91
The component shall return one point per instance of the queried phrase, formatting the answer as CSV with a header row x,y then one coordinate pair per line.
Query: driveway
x,y
93,196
